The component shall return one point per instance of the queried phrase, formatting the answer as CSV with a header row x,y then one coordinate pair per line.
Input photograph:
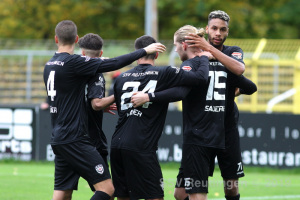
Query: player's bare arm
x,y
155,47
139,98
231,64
237,92
206,53
101,104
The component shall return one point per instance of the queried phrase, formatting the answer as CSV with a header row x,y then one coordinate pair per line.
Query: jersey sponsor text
x,y
215,108
135,112
140,74
53,109
56,62
217,63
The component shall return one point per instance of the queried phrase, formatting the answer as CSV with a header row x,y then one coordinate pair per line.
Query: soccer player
x,y
230,161
204,114
65,78
136,172
230,158
91,46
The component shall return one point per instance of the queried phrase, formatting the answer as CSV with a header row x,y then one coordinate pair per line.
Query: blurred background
x,y
268,32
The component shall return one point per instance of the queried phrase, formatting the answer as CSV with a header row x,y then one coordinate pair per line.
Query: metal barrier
x,y
274,65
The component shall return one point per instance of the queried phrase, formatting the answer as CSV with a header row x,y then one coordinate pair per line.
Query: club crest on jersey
x,y
187,68
99,168
237,55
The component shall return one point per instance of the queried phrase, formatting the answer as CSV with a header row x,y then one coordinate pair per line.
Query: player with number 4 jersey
x,y
65,78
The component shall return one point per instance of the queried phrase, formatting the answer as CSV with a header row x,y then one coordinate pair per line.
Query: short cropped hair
x,y
143,42
219,14
66,31
92,44
185,30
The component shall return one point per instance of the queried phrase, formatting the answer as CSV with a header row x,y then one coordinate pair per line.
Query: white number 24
x,y
150,87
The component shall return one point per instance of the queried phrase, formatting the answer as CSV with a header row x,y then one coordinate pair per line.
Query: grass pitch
x,y
34,181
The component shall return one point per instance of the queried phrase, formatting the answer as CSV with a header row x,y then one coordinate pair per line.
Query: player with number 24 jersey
x,y
139,129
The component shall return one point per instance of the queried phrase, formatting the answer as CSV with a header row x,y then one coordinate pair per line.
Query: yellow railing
x,y
275,67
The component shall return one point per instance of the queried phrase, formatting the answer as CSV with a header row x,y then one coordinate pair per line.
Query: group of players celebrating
x,y
207,82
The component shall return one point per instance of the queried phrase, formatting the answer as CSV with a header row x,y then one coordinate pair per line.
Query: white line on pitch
x,y
267,197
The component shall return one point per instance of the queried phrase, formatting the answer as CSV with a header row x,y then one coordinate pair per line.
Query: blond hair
x,y
185,30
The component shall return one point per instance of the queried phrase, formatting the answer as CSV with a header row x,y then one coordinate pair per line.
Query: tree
x,y
124,19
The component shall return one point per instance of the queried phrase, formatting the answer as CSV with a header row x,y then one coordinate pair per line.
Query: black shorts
x,y
136,174
104,157
75,160
180,179
196,163
230,159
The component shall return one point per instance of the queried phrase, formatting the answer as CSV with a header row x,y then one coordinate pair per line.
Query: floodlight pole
x,y
151,18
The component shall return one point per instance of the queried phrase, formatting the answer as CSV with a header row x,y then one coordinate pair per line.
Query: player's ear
x,y
82,52
101,53
156,55
184,46
56,39
206,29
76,39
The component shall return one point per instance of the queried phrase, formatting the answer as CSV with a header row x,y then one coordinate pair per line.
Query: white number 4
x,y
50,85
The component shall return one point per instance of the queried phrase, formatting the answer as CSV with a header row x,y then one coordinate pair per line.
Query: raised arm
x,y
191,73
121,61
231,64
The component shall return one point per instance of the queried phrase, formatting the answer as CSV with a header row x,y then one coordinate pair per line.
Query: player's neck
x,y
192,54
66,49
145,62
220,48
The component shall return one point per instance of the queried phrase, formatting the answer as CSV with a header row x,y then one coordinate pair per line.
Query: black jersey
x,y
246,86
65,78
204,106
96,89
204,110
139,129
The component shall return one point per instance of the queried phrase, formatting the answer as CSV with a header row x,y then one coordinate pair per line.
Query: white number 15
x,y
215,83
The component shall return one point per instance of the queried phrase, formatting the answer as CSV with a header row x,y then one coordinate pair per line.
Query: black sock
x,y
187,198
237,197
99,195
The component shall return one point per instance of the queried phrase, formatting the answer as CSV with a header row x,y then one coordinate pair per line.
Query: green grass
x,y
34,180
